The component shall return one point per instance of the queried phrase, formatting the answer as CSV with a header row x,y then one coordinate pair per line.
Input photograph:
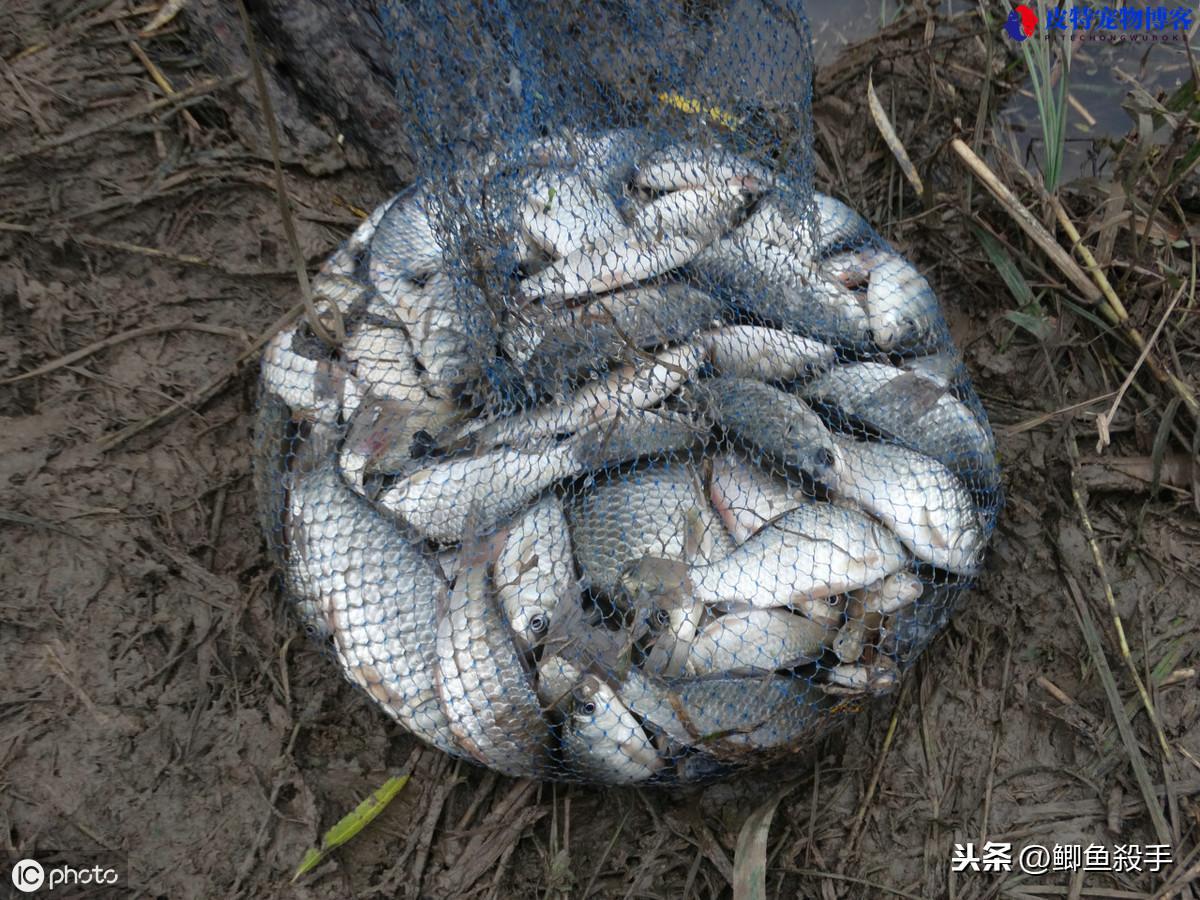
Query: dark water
x,y
1099,82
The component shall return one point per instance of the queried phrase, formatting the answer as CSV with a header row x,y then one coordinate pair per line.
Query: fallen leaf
x,y
352,823
750,856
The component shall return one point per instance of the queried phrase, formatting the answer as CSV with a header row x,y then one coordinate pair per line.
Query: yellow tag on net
x,y
695,107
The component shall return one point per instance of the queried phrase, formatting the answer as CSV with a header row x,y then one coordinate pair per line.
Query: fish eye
x,y
588,708
539,623
661,617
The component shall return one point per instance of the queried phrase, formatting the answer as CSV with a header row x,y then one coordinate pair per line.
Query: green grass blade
x,y
1051,99
1013,279
1033,323
352,823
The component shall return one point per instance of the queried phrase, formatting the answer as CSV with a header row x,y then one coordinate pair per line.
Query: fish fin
x,y
693,533
911,392
480,546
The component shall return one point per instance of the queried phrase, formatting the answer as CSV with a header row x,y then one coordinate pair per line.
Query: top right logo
x,y
1104,23
1021,22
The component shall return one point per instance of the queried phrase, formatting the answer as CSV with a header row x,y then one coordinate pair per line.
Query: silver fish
x,y
552,347
877,677
385,435
918,498
774,421
916,410
610,323
757,641
340,290
607,156
848,645
404,245
603,739
866,609
314,388
944,368
448,322
438,500
747,497
382,358
731,716
565,213
838,226
637,433
909,630
784,289
644,513
556,677
682,166
344,262
661,593
891,594
741,261
767,354
695,211
631,387
650,700
901,306
481,680
377,592
628,259
447,559
851,269
816,551
535,569
775,221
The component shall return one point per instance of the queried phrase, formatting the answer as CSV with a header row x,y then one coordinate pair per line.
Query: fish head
x,y
848,644
966,550
899,330
876,676
902,306
822,610
531,623
662,579
823,460
590,699
895,592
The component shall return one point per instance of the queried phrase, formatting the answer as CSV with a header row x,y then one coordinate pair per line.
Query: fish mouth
x,y
827,465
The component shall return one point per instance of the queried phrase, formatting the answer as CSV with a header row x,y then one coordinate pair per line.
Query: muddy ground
x,y
161,713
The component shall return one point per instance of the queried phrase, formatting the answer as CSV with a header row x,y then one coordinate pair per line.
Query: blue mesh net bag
x,y
640,460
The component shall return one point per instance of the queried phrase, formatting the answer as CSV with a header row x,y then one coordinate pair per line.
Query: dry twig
x,y
200,89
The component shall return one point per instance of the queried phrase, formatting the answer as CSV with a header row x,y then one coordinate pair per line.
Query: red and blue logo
x,y
1021,22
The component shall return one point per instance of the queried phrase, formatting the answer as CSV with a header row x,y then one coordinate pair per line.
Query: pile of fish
x,y
702,475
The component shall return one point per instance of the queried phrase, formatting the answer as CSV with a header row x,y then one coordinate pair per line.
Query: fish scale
x,y
630,515
486,693
376,591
